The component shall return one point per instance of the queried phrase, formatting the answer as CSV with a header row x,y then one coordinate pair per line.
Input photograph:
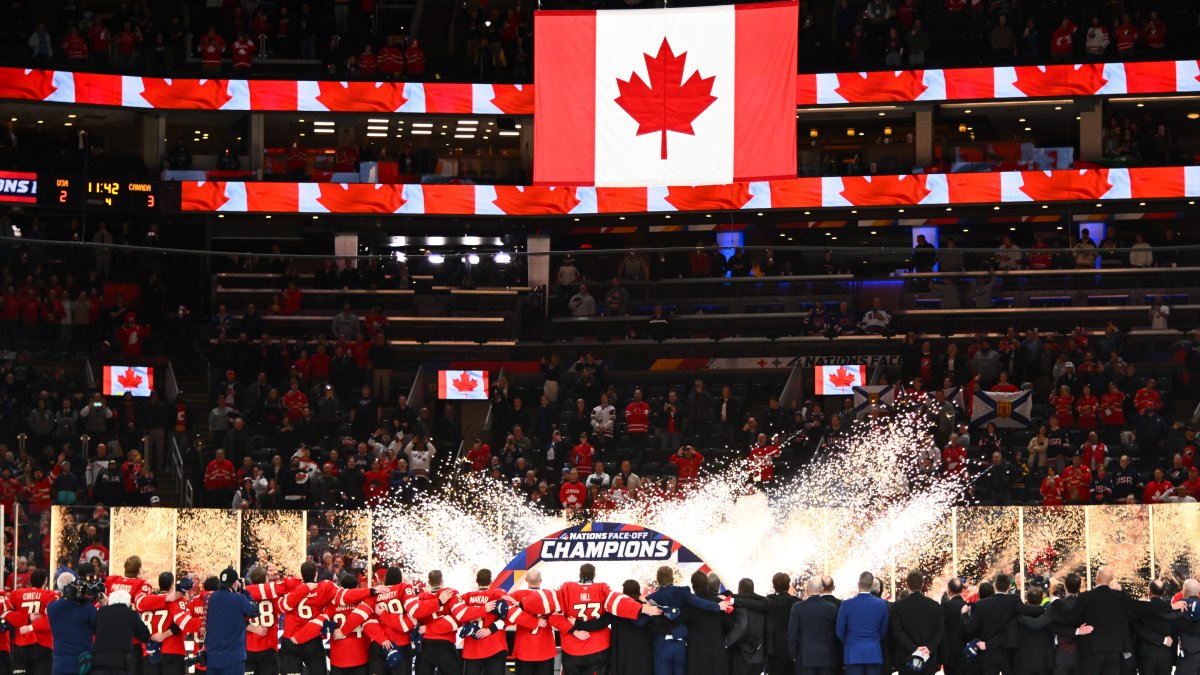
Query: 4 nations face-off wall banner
x,y
619,551
689,96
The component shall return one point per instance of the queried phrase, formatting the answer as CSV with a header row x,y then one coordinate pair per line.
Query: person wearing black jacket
x,y
116,627
1157,636
992,621
744,637
706,639
952,604
916,624
1109,612
779,608
812,633
632,639
1036,655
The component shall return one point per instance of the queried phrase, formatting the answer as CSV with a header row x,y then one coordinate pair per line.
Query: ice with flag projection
x,y
136,380
680,96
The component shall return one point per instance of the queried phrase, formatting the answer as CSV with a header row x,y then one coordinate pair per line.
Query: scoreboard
x,y
99,193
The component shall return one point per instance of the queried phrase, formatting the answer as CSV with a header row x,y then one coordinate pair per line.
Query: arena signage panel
x,y
18,187
618,551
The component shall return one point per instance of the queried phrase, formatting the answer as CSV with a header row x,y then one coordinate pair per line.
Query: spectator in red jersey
x,y
1147,397
131,336
1158,490
1154,33
582,453
1087,407
242,51
128,42
1064,405
479,456
414,61
74,46
573,493
1052,490
954,457
1093,451
390,60
1127,36
211,48
291,300
687,461
368,63
1004,386
99,40
762,459
1062,42
220,481
637,418
1077,481
297,160
1112,408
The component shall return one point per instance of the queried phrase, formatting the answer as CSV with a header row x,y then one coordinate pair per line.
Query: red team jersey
x,y
532,642
587,601
267,597
496,642
33,602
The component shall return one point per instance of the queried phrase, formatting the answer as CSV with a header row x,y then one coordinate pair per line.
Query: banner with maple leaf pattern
x,y
135,380
1001,187
679,96
463,385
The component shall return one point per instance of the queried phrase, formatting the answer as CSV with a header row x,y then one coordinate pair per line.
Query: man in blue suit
x,y
811,628
862,623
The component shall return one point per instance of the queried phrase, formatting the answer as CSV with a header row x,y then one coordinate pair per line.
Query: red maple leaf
x,y
130,379
1063,80
361,96
360,197
185,93
513,99
884,190
33,85
202,196
841,377
535,200
1068,185
667,103
465,382
704,197
903,85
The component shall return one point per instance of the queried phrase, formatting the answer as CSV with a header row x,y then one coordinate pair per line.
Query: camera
x,y
84,590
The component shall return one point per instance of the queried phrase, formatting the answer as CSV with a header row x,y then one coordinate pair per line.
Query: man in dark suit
x,y
1108,612
727,417
812,641
1189,633
827,589
862,622
1036,655
1066,642
992,621
1157,636
952,604
917,624
744,639
779,609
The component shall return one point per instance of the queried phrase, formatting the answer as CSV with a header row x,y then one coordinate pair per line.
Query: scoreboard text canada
x,y
115,195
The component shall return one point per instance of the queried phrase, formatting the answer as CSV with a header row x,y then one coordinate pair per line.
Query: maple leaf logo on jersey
x,y
465,382
668,103
130,379
841,378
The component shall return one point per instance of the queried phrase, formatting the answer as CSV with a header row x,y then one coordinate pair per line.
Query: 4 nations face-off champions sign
x,y
618,550
691,96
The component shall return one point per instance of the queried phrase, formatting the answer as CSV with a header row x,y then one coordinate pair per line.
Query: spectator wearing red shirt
x,y
211,48
573,493
1158,489
243,54
762,459
295,401
1154,33
1087,407
1093,452
297,160
1193,481
368,63
1077,481
220,481
581,454
414,61
128,41
1004,386
391,60
1189,449
74,46
954,457
478,456
1127,36
1112,407
1064,406
260,25
1052,489
1040,255
637,417
292,297
131,336
688,462
1062,42
99,41
1147,397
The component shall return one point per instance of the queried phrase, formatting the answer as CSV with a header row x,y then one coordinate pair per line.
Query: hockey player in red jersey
x,y
533,644
262,632
440,628
586,652
348,644
32,643
485,643
303,604
158,611
395,610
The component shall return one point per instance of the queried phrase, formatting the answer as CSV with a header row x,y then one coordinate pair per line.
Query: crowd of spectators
x,y
492,43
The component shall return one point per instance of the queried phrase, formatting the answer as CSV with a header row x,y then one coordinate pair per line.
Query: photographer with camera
x,y
73,621
116,627
225,626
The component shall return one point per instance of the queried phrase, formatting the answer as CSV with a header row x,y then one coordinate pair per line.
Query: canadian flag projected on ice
x,y
690,96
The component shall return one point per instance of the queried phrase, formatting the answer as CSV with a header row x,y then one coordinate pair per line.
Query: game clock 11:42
x,y
101,194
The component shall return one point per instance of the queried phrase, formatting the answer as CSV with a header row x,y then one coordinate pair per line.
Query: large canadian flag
x,y
689,96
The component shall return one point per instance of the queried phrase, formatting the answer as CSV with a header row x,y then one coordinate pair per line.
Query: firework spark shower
x,y
852,509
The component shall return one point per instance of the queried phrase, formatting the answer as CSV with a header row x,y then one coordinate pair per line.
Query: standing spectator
x,y
1062,42
582,304
697,421
876,320
1031,42
1004,41
637,419
616,300
40,45
1159,313
604,420
391,60
1008,255
1140,254
243,54
924,255
345,324
99,41
414,61
1154,33
74,46
220,481
633,268
1127,38
687,462
211,49
918,44
1097,40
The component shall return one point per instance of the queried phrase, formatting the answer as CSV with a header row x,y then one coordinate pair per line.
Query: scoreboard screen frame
x,y
100,193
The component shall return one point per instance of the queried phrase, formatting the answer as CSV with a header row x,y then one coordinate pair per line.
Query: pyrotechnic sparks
x,y
861,505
